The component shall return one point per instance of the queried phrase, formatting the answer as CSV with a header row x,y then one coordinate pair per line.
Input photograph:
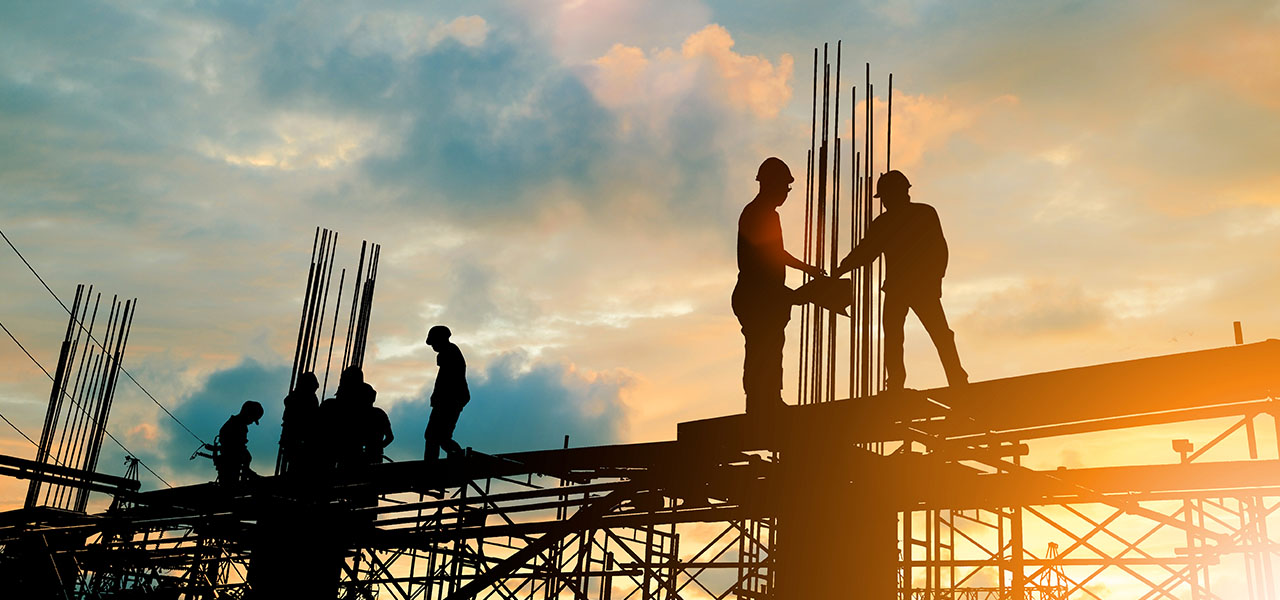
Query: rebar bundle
x,y
80,404
315,302
826,224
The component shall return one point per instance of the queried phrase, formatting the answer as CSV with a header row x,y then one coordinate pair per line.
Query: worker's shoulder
x,y
452,353
922,208
756,210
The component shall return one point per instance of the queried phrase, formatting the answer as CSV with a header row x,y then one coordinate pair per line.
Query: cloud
x,y
747,81
633,81
1040,308
517,405
922,123
407,35
1230,53
207,407
299,140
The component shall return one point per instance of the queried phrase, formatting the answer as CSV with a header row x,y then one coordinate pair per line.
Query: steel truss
x,y
815,501
1166,541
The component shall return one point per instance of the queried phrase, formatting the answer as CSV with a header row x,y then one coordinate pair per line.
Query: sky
x,y
559,183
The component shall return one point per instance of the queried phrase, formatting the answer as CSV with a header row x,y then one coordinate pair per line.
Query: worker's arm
x,y
387,436
866,251
796,263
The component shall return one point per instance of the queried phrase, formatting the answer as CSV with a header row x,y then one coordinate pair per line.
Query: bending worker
x,y
449,395
909,235
761,299
233,458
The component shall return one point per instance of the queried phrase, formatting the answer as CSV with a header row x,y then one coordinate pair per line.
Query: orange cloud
x,y
629,79
748,81
1241,55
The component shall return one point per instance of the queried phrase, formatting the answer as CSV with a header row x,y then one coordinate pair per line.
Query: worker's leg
x,y
931,315
450,421
762,368
433,440
895,318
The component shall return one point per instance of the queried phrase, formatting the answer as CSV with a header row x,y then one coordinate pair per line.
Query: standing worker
x,y
233,458
909,235
448,397
761,299
375,426
298,427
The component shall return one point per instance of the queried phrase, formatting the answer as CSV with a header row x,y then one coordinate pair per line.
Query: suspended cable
x,y
20,432
122,369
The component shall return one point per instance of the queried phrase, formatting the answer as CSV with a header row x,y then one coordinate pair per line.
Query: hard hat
x,y
891,181
773,169
251,409
309,380
439,333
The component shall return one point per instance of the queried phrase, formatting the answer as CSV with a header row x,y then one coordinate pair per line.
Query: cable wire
x,y
20,432
122,369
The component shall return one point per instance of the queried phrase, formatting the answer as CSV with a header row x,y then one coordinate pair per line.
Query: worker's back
x,y
451,381
915,250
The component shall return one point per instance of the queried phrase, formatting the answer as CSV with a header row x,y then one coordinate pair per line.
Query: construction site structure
x,y
917,495
911,495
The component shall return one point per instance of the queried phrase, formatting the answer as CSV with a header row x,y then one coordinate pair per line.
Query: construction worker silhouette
x,y
297,428
375,426
342,445
909,235
233,458
761,299
448,397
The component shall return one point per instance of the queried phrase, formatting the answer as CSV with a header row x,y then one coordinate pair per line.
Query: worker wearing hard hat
x,y
909,235
761,299
449,395
233,458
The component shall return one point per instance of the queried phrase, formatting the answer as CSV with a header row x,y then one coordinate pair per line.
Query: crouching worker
x,y
449,395
233,458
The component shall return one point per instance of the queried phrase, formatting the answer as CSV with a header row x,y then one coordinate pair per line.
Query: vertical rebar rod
x,y
877,295
55,396
324,303
302,322
89,408
832,320
131,309
313,307
888,128
75,438
355,303
867,196
366,307
820,225
104,414
802,387
854,235
69,422
71,358
337,305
